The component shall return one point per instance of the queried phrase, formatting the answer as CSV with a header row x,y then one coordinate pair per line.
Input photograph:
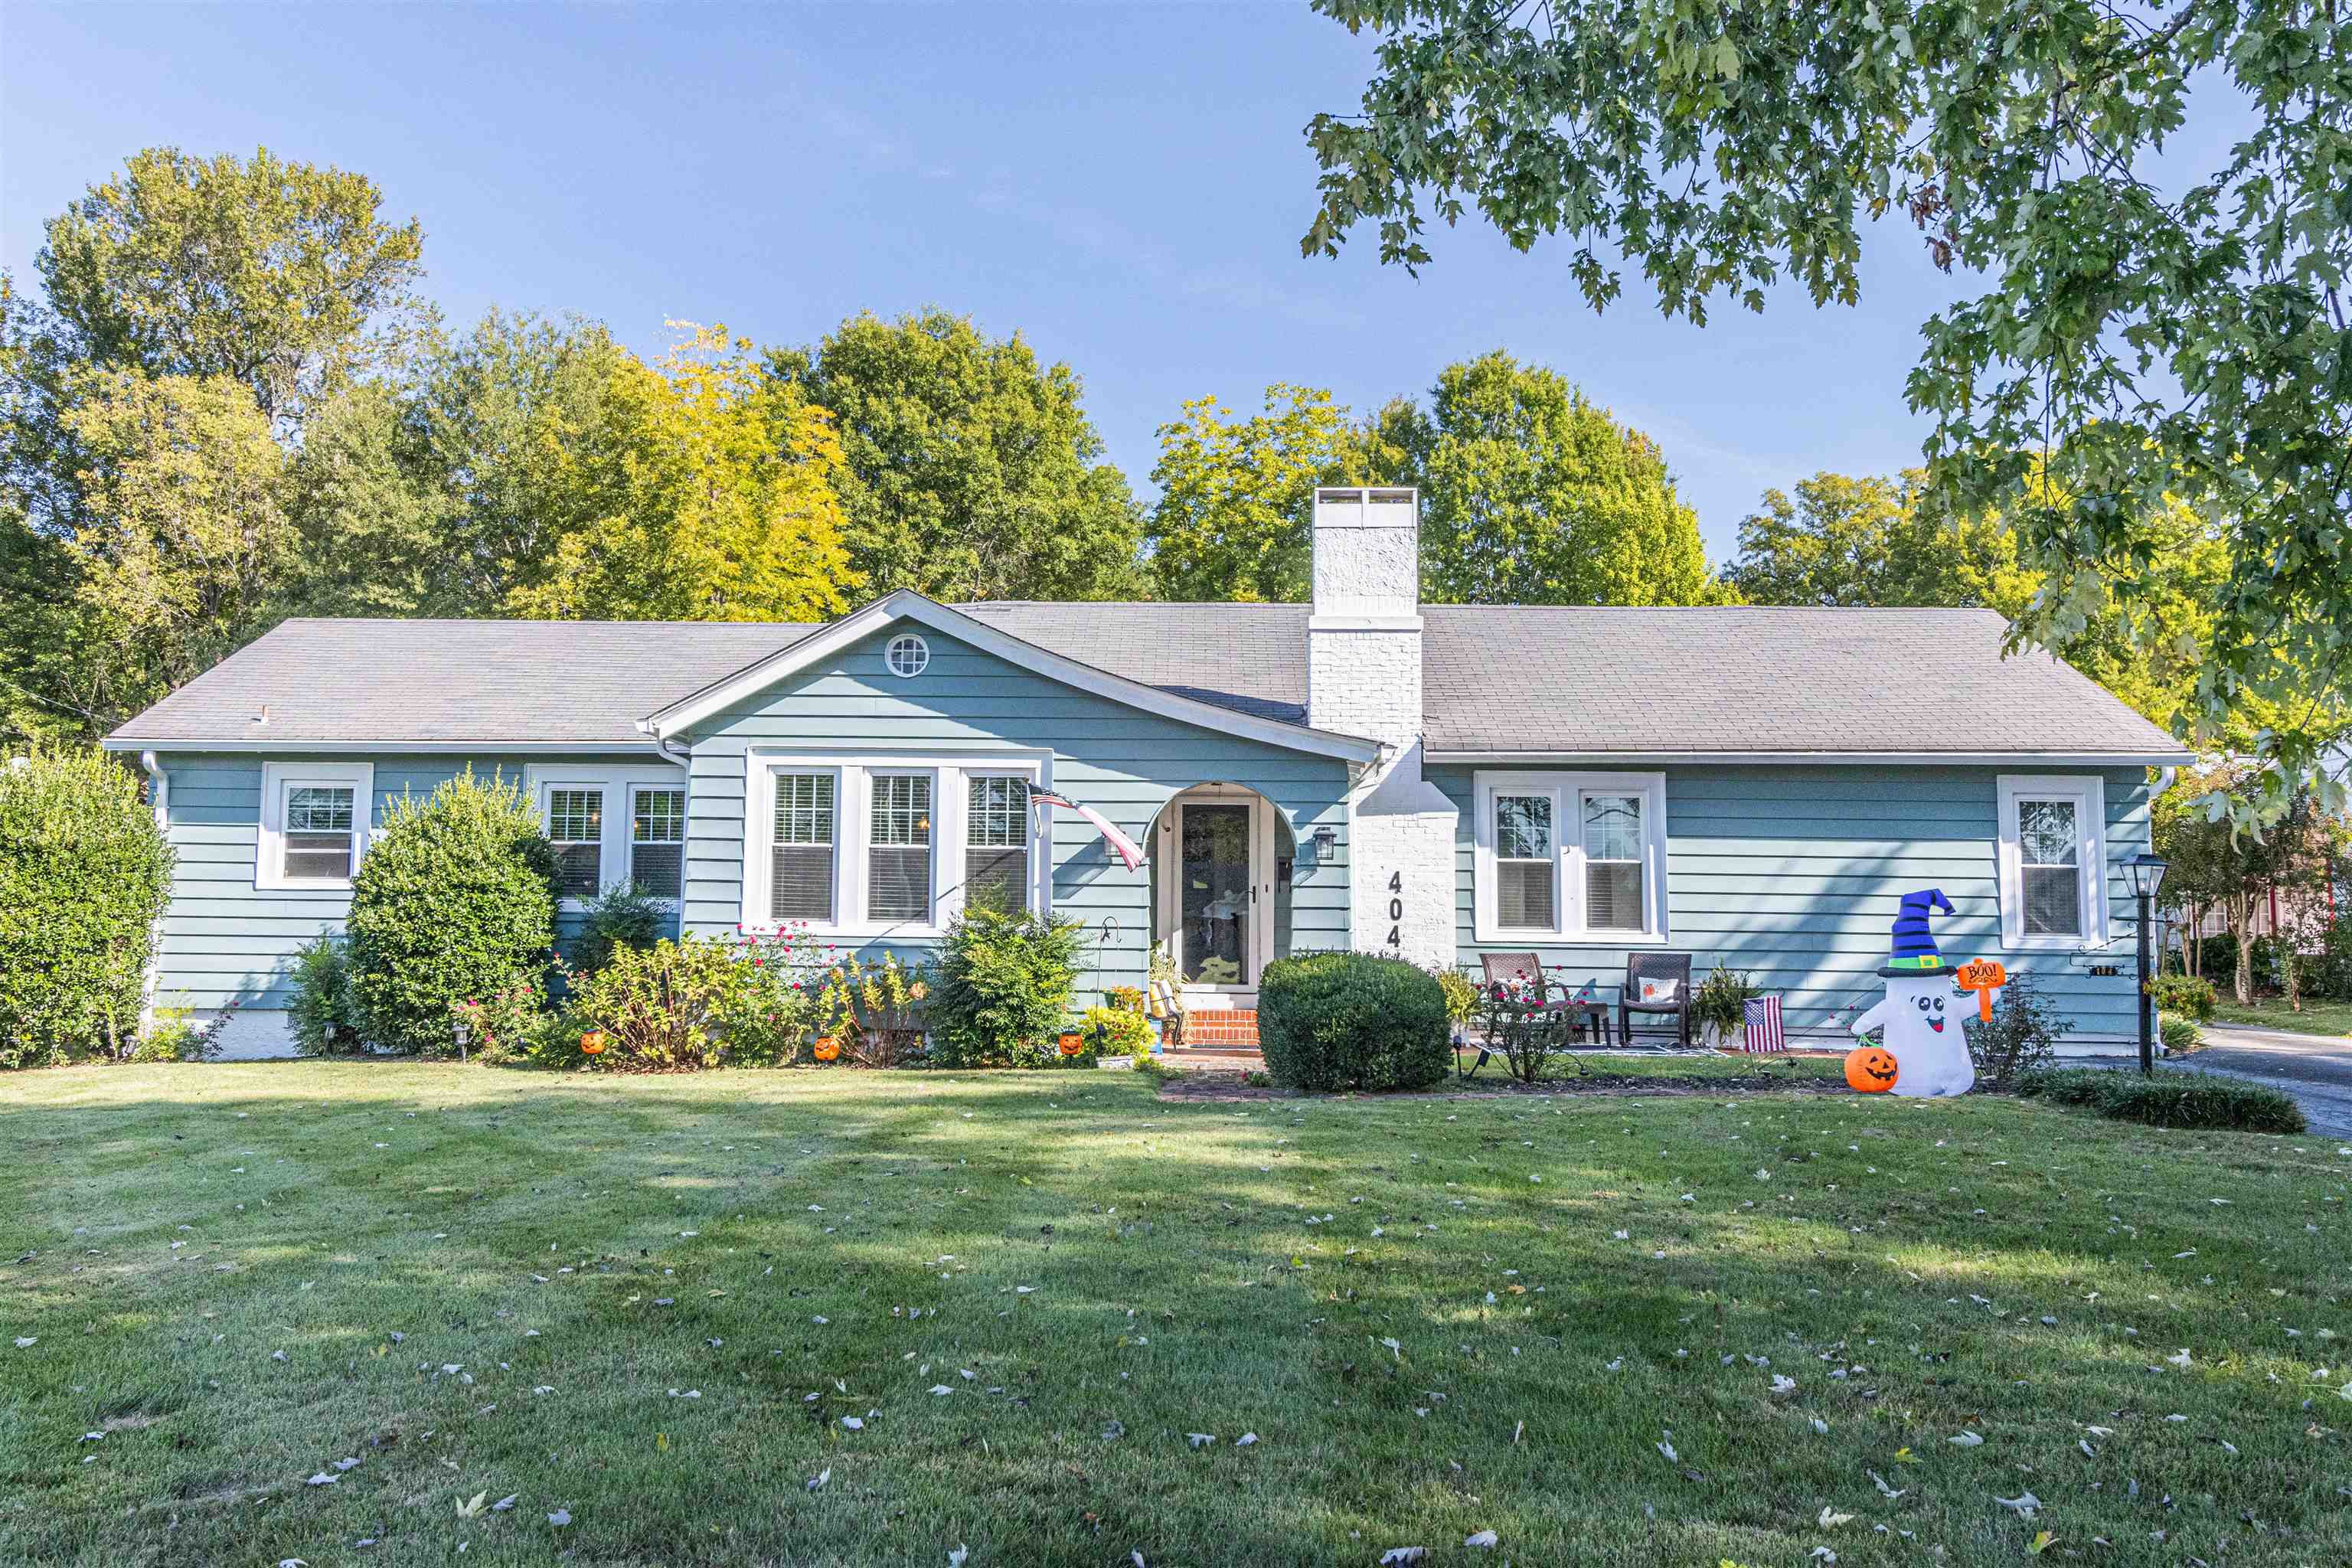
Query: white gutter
x,y
158,801
1890,759
414,748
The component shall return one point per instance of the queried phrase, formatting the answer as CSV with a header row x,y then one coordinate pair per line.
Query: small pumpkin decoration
x,y
1870,1070
1071,1045
593,1042
826,1049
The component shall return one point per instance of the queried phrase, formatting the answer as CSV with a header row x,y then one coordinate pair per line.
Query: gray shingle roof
x,y
1497,679
1574,678
444,681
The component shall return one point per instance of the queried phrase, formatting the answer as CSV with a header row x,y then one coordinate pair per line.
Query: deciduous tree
x,y
2142,338
1533,495
973,472
1237,496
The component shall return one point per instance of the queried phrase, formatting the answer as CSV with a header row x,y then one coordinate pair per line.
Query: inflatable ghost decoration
x,y
1921,1011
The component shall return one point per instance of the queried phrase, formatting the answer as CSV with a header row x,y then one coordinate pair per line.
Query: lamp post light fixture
x,y
465,1034
2143,874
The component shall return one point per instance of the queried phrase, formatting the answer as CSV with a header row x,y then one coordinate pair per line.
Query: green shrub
x,y
324,1012
1349,1020
2183,1034
874,1011
633,916
1002,990
2023,1037
84,873
2183,1099
2184,997
698,1002
453,902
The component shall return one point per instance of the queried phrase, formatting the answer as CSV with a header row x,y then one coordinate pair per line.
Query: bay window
x,y
890,844
1570,858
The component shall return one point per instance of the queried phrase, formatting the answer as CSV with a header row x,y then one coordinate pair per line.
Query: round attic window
x,y
908,656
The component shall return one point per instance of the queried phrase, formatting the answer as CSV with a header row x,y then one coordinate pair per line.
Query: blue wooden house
x,y
1754,787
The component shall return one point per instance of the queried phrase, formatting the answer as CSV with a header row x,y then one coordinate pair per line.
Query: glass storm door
x,y
1215,894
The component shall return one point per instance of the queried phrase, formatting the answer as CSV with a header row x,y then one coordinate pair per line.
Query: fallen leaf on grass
x,y
471,1506
2023,1505
1396,1556
1484,1538
1965,1440
505,1502
1831,1519
322,1480
817,1482
1200,1439
559,1517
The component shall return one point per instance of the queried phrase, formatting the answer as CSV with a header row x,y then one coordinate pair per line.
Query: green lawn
x,y
2271,1013
653,1304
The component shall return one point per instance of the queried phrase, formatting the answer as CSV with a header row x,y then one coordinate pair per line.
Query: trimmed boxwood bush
x,y
1349,1020
454,902
84,873
2185,1099
1004,990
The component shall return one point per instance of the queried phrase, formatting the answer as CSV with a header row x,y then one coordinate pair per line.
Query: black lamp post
x,y
2145,873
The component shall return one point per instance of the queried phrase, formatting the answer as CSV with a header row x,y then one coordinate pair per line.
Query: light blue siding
x,y
225,940
1794,874
1124,763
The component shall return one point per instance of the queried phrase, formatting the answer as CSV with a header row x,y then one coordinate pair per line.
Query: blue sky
x,y
1125,185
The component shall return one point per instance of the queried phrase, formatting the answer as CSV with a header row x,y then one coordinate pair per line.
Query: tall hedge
x,y
84,872
454,899
1349,1020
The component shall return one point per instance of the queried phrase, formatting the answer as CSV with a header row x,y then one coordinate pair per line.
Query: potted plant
x,y
1719,1005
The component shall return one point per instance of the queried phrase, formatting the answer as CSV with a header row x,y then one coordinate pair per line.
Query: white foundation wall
x,y
254,1033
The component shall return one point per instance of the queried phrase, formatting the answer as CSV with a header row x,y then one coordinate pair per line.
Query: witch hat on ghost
x,y
1914,945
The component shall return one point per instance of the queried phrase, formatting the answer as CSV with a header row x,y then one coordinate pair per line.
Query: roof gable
x,y
908,606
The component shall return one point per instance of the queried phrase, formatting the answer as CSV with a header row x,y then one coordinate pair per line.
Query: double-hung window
x,y
657,840
898,848
576,825
1570,858
2053,861
886,844
996,841
614,825
801,870
314,824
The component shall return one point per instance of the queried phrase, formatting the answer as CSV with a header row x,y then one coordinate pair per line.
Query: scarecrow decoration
x,y
1920,1014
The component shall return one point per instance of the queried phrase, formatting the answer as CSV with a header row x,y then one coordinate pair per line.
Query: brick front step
x,y
1220,1030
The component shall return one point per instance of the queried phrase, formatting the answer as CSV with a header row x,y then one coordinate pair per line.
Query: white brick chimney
x,y
1363,678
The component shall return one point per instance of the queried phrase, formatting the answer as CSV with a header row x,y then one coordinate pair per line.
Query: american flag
x,y
1764,1025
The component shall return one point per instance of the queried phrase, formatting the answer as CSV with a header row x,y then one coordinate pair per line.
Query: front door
x,y
1219,911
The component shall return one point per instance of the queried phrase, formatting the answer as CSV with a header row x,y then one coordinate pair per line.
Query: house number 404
x,y
1396,908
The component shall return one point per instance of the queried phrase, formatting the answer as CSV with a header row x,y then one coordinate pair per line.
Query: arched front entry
x,y
1221,871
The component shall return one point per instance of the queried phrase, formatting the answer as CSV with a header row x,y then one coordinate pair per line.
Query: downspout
x,y
158,801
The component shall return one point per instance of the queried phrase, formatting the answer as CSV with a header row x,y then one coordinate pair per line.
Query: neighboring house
x,y
1755,787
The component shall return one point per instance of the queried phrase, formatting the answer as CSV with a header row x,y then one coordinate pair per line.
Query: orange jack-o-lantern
x,y
826,1049
1071,1045
1870,1070
593,1042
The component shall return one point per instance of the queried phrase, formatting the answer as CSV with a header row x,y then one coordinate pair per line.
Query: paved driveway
x,y
2316,1069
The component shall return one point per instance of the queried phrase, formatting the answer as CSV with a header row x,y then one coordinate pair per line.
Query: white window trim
x,y
1565,790
2088,792
277,780
619,784
852,821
